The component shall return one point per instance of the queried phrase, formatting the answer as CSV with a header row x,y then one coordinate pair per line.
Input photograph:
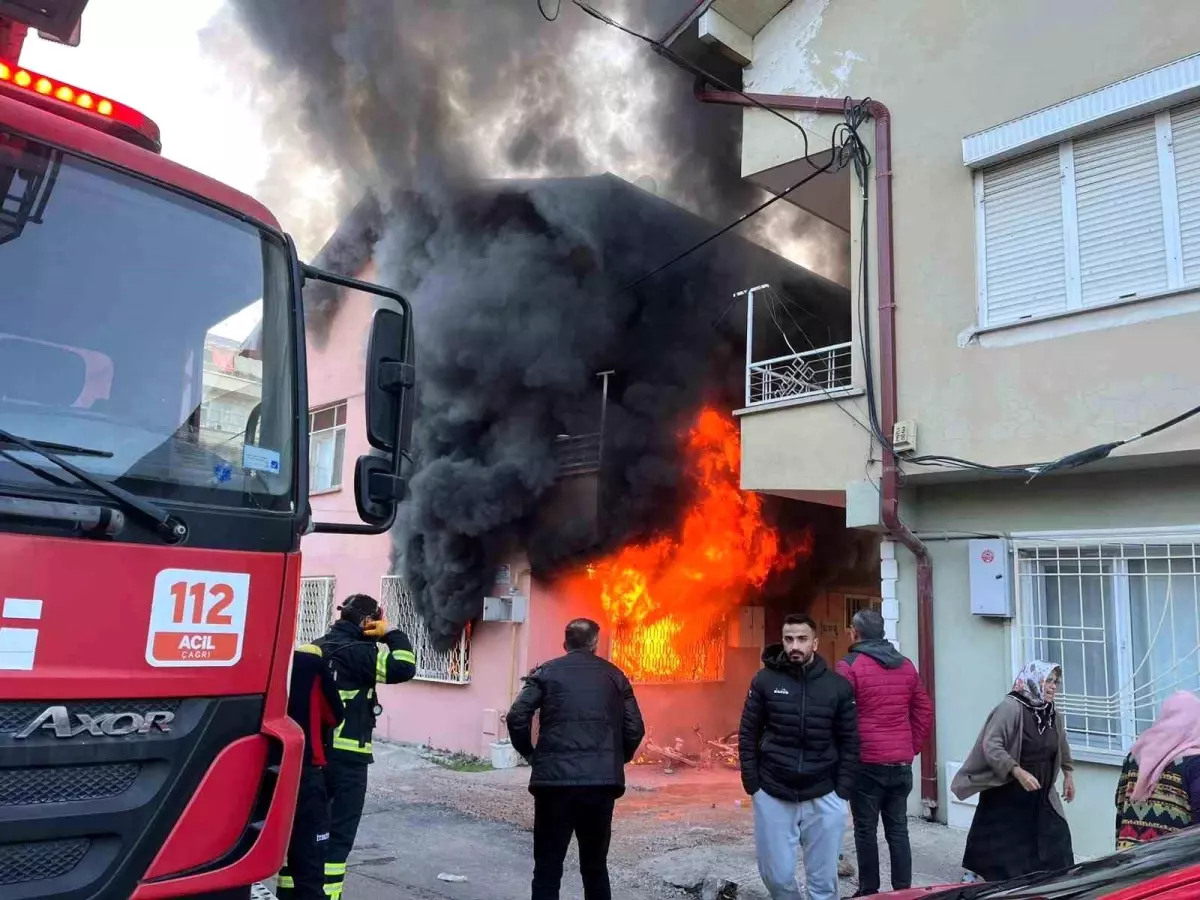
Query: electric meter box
x,y
510,608
991,578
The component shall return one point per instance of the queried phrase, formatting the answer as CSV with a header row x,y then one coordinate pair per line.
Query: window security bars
x,y
1123,620
316,607
451,666
657,654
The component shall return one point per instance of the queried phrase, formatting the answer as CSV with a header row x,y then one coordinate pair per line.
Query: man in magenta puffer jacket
x,y
894,719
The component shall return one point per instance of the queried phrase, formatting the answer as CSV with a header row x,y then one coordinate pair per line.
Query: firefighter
x,y
364,650
314,703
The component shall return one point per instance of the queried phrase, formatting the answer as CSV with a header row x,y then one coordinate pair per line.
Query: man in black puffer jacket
x,y
589,728
798,745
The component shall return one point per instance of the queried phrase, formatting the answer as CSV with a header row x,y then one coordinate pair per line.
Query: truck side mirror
x,y
390,376
390,379
376,489
378,486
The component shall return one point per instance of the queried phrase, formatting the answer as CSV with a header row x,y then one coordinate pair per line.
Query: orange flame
x,y
667,600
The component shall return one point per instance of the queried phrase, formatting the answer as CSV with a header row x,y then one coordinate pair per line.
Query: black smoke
x,y
520,286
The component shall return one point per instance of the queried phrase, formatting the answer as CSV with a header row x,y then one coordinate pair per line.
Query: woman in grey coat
x,y
1019,825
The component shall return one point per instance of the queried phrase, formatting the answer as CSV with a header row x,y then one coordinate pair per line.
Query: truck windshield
x,y
145,337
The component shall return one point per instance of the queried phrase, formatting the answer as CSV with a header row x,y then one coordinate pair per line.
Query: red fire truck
x,y
153,491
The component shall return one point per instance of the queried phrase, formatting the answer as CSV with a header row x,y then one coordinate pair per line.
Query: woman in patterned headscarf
x,y
1019,825
1158,792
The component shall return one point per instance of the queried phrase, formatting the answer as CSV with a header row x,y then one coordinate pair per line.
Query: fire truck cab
x,y
153,493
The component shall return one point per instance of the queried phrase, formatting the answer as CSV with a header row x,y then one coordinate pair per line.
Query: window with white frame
x,y
452,666
1121,615
326,447
1100,219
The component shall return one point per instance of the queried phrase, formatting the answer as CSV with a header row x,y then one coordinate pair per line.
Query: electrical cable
x,y
663,50
732,225
860,158
851,149
839,155
545,15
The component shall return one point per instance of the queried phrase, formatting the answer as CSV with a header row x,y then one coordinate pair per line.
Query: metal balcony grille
x,y
1122,618
577,454
451,666
316,607
40,860
65,784
657,654
799,374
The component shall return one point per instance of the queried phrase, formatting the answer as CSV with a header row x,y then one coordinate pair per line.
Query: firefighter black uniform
x,y
360,661
314,703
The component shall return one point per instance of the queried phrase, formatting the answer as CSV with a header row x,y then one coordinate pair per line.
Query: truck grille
x,y
64,784
39,860
16,715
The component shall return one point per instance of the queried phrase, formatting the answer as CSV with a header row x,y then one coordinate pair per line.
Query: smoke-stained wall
x,y
451,118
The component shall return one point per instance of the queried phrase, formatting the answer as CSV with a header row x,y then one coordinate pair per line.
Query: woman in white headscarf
x,y
1019,825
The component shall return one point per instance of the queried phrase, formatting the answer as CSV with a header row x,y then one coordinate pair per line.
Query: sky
x,y
146,54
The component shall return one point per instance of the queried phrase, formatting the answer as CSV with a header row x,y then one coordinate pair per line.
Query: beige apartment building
x,y
1025,269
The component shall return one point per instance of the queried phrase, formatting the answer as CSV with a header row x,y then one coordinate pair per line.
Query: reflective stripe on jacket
x,y
361,663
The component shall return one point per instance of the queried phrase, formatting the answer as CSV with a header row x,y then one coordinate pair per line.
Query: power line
x,y
663,50
732,225
838,154
851,149
545,15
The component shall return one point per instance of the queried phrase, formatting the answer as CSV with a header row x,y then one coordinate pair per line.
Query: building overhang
x,y
723,28
748,16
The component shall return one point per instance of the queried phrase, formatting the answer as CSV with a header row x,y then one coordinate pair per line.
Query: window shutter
x,y
1122,248
1185,131
1024,261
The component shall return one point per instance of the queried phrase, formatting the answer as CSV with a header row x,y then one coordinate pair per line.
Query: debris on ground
x,y
715,888
452,878
672,832
458,762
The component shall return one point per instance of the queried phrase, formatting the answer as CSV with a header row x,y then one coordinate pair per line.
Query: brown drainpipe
x,y
890,489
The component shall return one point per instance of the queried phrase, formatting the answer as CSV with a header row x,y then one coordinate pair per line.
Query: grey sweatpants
x,y
817,826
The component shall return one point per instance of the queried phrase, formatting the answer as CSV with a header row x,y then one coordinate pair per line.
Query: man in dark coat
x,y
589,727
894,720
798,745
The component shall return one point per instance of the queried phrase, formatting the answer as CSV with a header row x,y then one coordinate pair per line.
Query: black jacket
x,y
799,734
361,662
589,726
313,701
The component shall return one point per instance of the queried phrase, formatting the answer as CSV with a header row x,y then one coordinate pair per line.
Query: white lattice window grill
x,y
654,654
1122,618
451,666
316,607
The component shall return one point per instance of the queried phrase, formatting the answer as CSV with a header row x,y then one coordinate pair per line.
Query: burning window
x,y
451,666
668,601
660,654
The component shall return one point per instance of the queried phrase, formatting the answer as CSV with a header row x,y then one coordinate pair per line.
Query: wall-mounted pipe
x,y
890,482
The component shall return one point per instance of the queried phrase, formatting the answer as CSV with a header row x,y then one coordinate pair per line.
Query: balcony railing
x,y
578,454
813,372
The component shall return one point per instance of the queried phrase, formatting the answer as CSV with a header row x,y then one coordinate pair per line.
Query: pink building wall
x,y
469,717
462,718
